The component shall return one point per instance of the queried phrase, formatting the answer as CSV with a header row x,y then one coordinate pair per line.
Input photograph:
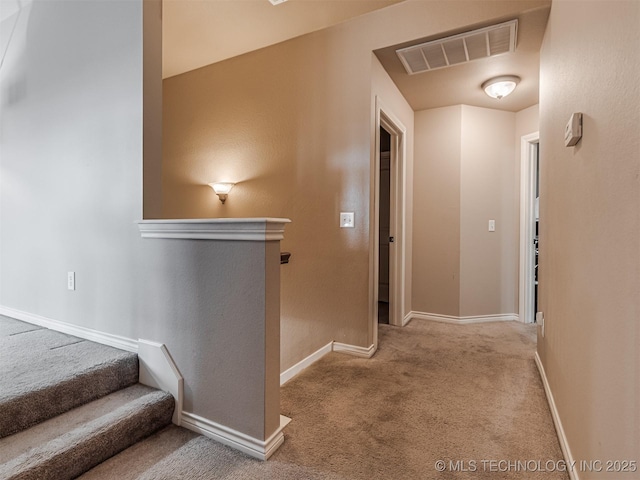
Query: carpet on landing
x,y
468,395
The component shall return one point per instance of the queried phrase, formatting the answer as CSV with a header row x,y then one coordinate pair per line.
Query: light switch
x,y
492,225
347,220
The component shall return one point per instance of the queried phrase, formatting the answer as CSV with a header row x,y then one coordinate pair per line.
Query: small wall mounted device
x,y
573,130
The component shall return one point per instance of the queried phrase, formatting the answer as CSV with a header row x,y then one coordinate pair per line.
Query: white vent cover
x,y
462,48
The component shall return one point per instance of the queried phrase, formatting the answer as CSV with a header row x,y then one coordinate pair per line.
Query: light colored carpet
x,y
76,451
45,373
468,395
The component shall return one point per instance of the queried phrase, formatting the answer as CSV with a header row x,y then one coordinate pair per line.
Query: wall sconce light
x,y
222,189
499,87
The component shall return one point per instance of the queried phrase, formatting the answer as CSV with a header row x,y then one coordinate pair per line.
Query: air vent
x,y
466,47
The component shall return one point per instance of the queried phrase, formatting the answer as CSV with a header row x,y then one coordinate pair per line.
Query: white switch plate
x,y
492,225
71,280
347,220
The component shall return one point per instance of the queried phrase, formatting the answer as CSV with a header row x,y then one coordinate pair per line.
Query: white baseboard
x,y
562,438
123,343
407,318
318,354
158,370
291,372
434,317
260,449
354,349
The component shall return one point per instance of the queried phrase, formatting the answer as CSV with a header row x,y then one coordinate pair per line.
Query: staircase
x,y
67,404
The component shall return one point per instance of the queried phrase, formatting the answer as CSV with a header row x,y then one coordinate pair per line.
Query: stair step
x,y
69,445
46,373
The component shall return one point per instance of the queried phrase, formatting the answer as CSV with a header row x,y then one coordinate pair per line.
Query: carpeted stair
x,y
67,404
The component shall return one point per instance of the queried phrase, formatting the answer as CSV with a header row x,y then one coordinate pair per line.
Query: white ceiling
x,y
460,84
201,32
197,33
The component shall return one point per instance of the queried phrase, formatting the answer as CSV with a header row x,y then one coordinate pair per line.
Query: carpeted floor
x,y
467,395
46,373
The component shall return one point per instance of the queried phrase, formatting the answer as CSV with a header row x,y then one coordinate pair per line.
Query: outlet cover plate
x,y
347,220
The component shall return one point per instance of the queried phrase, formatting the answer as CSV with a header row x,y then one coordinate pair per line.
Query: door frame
x,y
385,118
528,147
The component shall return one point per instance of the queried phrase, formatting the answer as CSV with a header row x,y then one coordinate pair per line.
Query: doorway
x,y
384,227
387,280
529,221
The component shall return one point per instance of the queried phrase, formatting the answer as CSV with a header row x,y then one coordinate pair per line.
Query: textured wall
x,y
436,211
71,168
465,175
590,227
292,124
488,190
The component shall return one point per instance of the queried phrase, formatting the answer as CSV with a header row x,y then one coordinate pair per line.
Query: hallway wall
x,y
465,175
293,125
590,227
436,256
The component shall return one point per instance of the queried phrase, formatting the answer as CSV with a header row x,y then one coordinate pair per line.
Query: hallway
x,y
469,395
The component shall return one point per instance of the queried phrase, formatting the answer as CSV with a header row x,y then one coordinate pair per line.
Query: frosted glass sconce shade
x,y
222,189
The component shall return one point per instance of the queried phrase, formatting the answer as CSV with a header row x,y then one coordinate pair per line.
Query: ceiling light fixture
x,y
499,87
277,2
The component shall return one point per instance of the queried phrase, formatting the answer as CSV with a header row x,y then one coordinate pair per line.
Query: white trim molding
x,y
528,144
260,449
116,341
434,317
562,437
158,370
384,117
245,229
364,352
291,372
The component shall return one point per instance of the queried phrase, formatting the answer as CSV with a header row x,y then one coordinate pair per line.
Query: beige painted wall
x,y
488,260
590,227
465,175
152,110
436,211
292,123
264,120
527,121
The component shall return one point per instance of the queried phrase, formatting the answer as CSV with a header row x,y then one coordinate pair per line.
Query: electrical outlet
x,y
540,321
71,280
347,220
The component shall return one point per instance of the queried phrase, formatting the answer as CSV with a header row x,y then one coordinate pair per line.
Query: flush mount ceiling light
x,y
222,189
499,87
277,2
